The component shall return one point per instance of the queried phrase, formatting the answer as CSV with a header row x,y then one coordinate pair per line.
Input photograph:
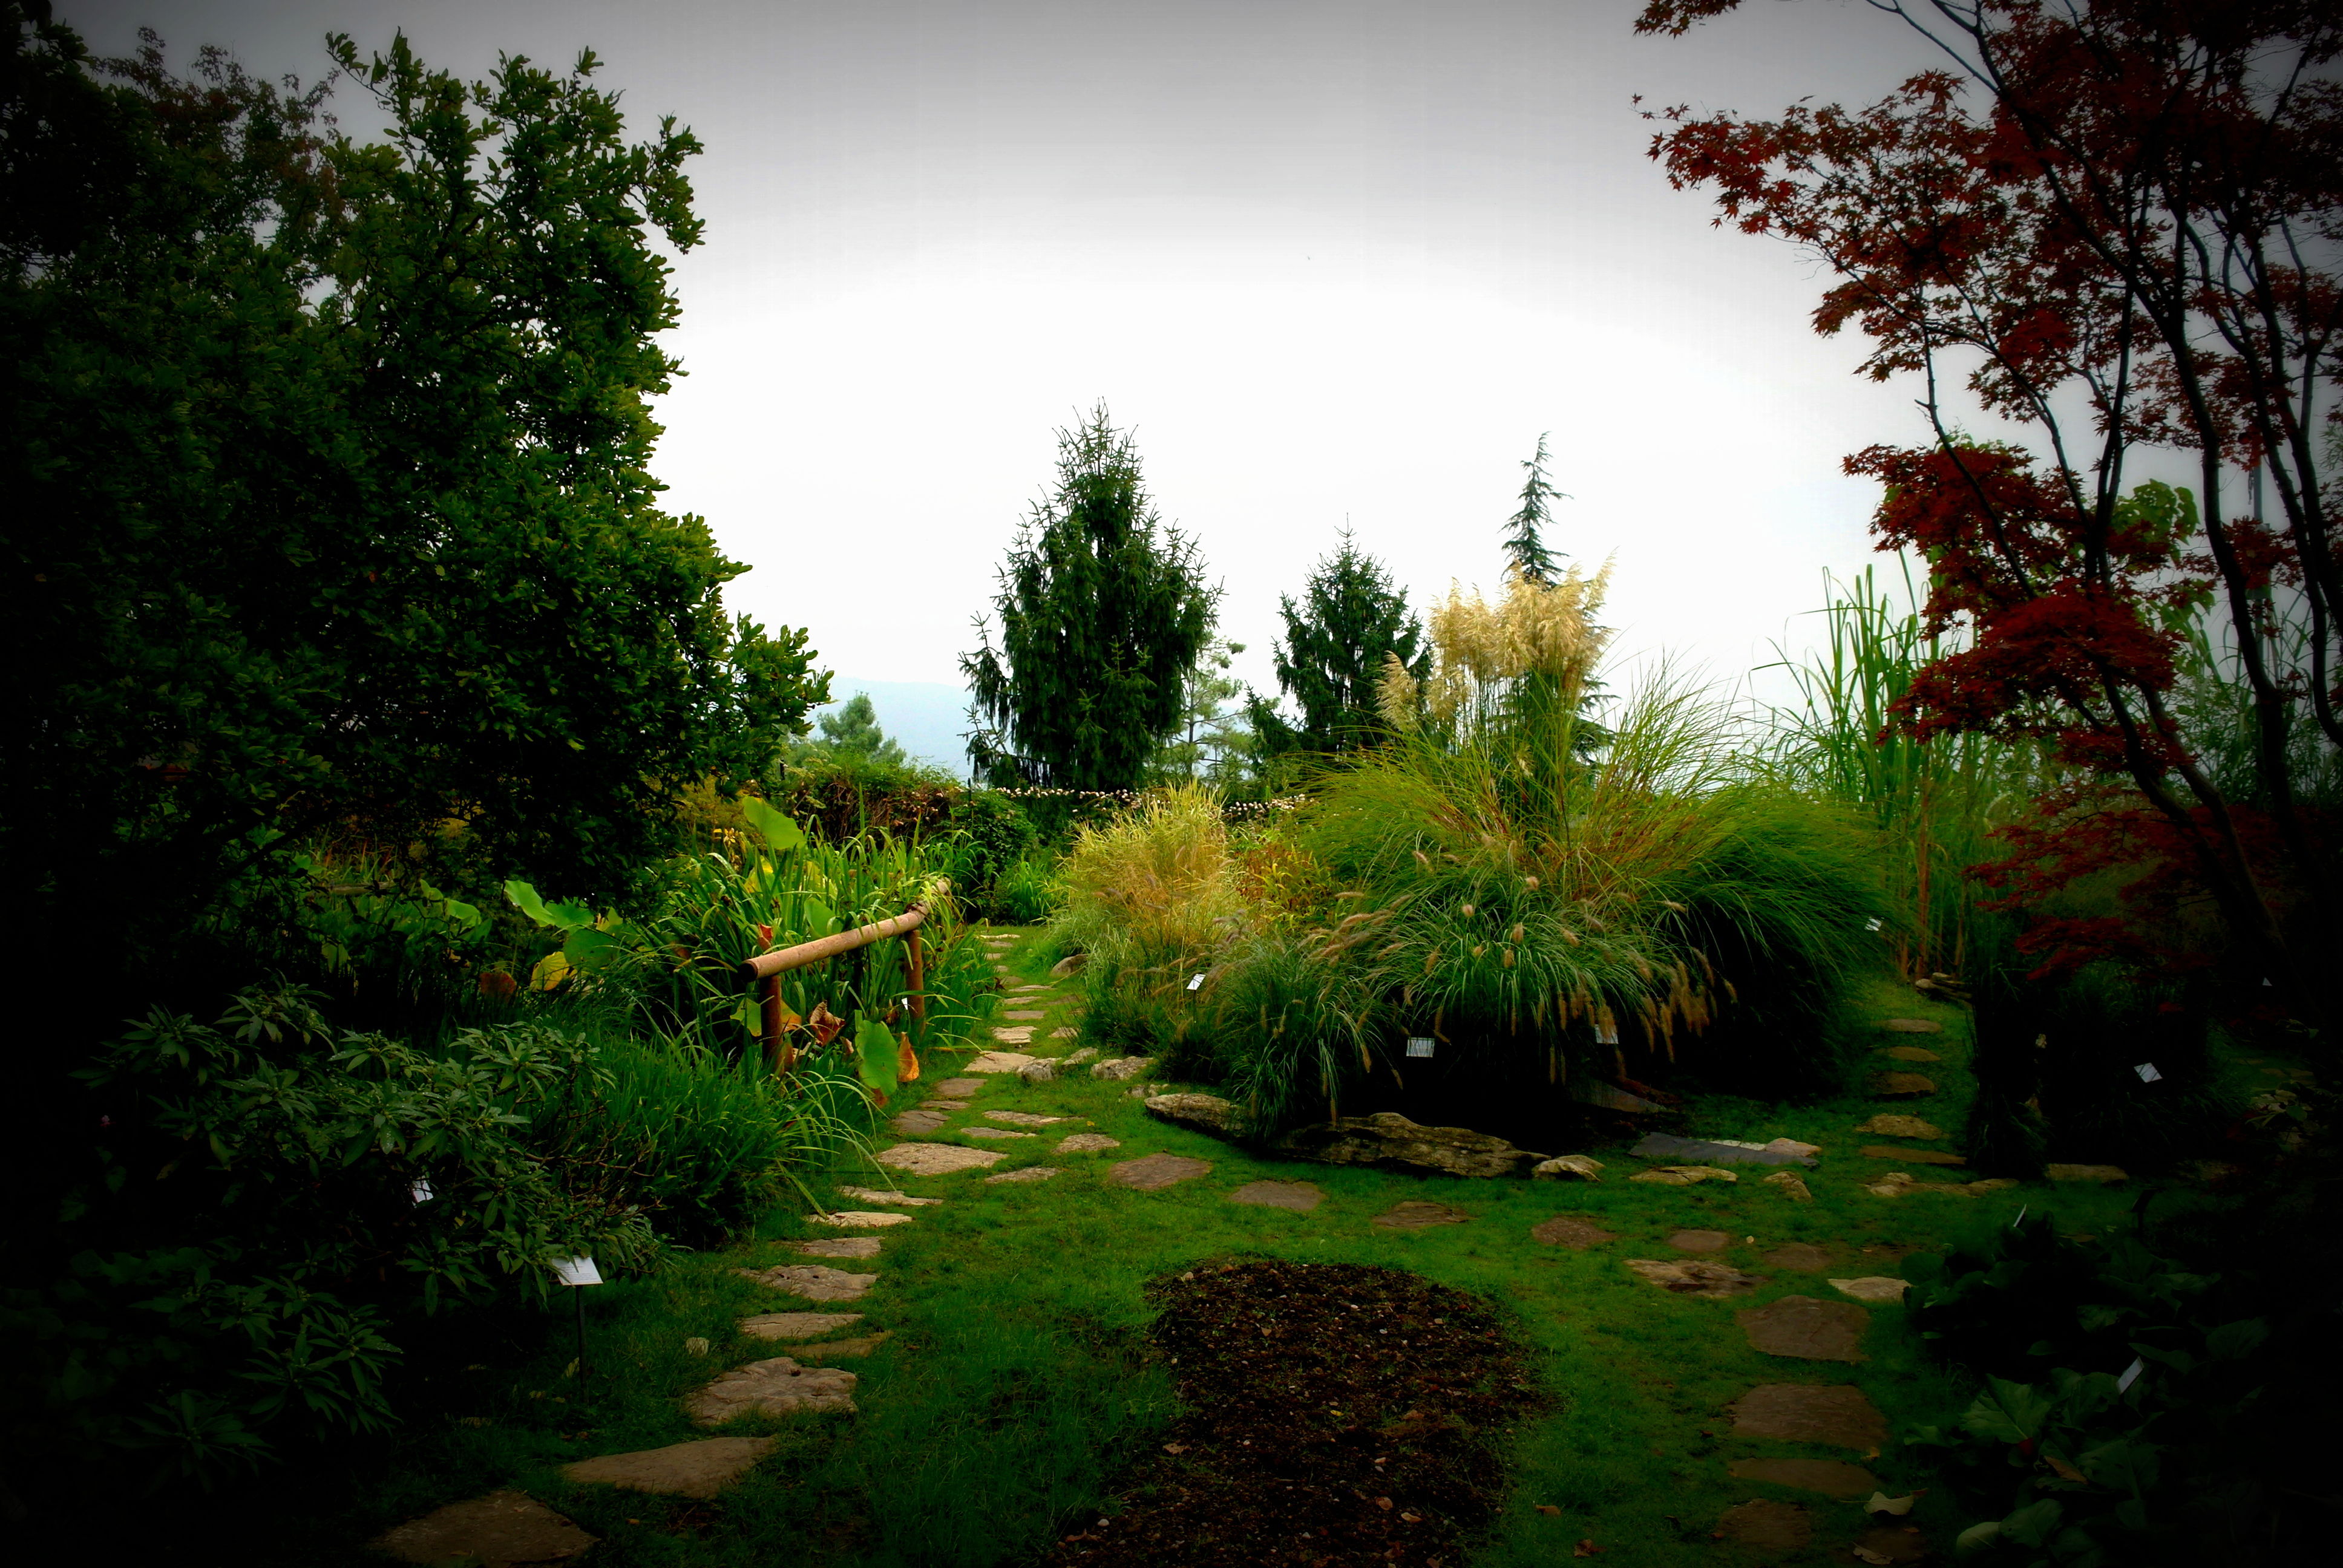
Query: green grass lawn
x,y
1018,1372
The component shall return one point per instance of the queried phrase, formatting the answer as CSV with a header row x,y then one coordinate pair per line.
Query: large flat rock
x,y
874,1195
1807,1329
1392,1142
1696,1276
1299,1196
914,1123
1888,1124
1569,1230
1687,1175
1002,1062
843,1350
1088,1144
1831,1477
937,1159
1023,1118
1417,1215
1910,1053
992,1134
502,1528
797,1325
1154,1172
1703,1151
1700,1240
1118,1069
1801,1256
779,1386
700,1469
1873,1288
1910,1156
959,1088
1911,1026
1206,1113
859,1219
1024,1173
814,1281
1900,1085
1769,1525
836,1247
1807,1412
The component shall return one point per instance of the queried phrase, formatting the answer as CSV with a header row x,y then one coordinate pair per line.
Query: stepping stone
x,y
1684,1175
1667,1146
1806,1413
948,1107
842,1247
502,1527
994,1132
927,1119
1005,1060
860,1219
1759,1522
1793,1183
1117,1068
1565,1167
1088,1144
1696,1276
1911,1156
1911,1026
1831,1477
1886,1543
1025,1016
1700,1240
1897,1183
2087,1172
1024,1173
1887,1124
1417,1215
1299,1196
1038,1071
814,1281
1022,1118
1026,989
1070,966
845,1350
872,1195
700,1468
797,1325
1070,1034
1900,1085
937,1159
1873,1288
1910,1053
1798,1256
1806,1329
1207,1113
1155,1171
959,1088
1569,1230
776,1387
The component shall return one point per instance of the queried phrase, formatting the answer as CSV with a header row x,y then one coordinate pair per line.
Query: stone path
x,y
1806,1329
700,1468
1415,1215
502,1527
1154,1172
1299,1196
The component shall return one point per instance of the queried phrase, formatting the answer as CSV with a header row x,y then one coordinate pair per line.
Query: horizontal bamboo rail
x,y
764,971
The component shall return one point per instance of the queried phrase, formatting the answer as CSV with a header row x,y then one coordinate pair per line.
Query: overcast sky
x,y
1333,261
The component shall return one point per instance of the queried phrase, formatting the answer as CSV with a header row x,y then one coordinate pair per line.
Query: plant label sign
x,y
2013,1224
576,1271
2147,1073
1419,1046
420,1190
1873,924
2130,1375
1195,982
1607,1033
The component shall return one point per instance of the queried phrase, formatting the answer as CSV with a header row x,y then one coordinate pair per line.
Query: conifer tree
x,y
1526,549
851,735
1103,611
1334,651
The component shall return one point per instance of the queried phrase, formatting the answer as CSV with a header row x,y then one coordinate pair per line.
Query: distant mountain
x,y
926,718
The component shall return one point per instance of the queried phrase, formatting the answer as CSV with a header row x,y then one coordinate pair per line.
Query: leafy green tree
x,y
1350,619
330,505
1211,731
851,735
1104,613
1525,548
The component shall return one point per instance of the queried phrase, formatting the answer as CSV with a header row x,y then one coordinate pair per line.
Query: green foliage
x,y
1029,891
1103,612
1213,741
852,736
1351,621
1526,554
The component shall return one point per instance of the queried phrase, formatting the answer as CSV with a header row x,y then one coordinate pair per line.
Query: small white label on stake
x,y
576,1271
2147,1073
1419,1046
1606,1034
1873,924
2130,1375
1195,982
420,1190
2013,1224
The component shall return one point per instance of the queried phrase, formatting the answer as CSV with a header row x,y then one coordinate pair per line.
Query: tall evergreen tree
x,y
1350,618
851,734
1525,548
1103,612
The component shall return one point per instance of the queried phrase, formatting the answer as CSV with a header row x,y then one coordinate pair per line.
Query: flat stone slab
x,y
700,1468
797,1325
838,1247
1808,1413
1206,1113
994,1132
1700,1240
779,1386
1154,1172
1911,1156
1063,1033
1088,1144
925,1119
1028,989
860,1219
502,1527
1002,1061
1807,1329
1566,1168
873,1195
1696,1276
1900,1085
1695,1151
1897,1183
1684,1175
937,1159
1024,1173
1117,1068
1762,1523
845,1350
1887,1124
1793,1183
2086,1173
1831,1477
1910,1053
1886,1543
1569,1230
959,1088
1023,1118
814,1281
1418,1215
1873,1288
1911,1026
1799,1256
1024,1016
1299,1196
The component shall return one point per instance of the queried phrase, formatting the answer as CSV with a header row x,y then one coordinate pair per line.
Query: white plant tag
x,y
2013,1224
2147,1073
1872,924
576,1271
1419,1046
1606,1034
2130,1375
1195,982
420,1190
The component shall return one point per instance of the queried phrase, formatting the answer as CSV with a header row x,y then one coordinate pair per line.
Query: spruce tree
x,y
851,735
1351,617
1103,611
1525,550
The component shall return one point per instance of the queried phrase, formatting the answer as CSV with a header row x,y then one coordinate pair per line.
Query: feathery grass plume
x,y
1538,632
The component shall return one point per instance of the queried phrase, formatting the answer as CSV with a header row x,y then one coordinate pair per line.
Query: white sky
x,y
1340,259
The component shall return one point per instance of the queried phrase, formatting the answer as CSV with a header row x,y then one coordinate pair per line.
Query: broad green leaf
x,y
463,914
2033,1524
525,898
2232,1341
875,1056
588,949
569,917
780,832
550,971
2012,1411
1978,1537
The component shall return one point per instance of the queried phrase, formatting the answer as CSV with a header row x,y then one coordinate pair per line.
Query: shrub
x,y
1029,891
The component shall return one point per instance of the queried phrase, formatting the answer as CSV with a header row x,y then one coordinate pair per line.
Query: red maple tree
x,y
2116,221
